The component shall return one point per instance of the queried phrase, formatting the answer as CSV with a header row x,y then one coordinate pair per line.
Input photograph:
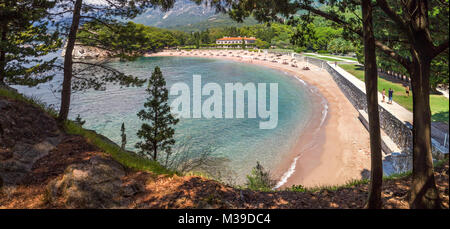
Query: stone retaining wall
x,y
399,132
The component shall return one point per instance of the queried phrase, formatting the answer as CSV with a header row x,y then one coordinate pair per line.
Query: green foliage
x,y
337,25
79,120
315,33
299,49
349,184
87,16
298,188
398,41
158,134
243,44
439,70
127,159
275,34
340,46
396,176
441,163
260,179
262,44
126,40
196,39
24,39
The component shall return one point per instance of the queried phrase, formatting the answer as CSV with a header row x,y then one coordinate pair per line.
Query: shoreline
x,y
320,157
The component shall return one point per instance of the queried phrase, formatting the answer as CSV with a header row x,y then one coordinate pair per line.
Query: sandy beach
x,y
336,149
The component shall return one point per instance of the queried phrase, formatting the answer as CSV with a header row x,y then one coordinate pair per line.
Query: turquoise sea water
x,y
239,141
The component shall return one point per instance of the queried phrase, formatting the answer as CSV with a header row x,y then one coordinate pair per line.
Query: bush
x,y
298,188
260,179
322,52
299,49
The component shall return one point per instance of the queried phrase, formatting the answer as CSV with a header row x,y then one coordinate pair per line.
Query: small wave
x,y
324,114
291,169
301,81
324,102
287,174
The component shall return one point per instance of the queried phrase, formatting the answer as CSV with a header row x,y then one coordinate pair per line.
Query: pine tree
x,y
79,120
260,179
24,38
107,13
124,136
158,134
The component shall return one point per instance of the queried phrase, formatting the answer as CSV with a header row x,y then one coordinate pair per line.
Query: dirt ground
x,y
165,191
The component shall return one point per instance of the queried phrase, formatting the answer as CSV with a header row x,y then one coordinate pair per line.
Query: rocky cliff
x,y
87,52
26,135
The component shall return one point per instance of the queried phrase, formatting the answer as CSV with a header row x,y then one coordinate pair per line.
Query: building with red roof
x,y
225,41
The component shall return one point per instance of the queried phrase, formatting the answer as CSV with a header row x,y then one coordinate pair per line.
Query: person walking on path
x,y
391,94
407,90
383,93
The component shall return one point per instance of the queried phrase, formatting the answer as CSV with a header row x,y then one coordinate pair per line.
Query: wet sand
x,y
335,148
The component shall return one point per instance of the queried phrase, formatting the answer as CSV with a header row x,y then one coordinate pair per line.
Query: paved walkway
x,y
444,92
398,111
333,57
439,137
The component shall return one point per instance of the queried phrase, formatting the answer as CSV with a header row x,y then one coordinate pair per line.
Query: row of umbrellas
x,y
287,60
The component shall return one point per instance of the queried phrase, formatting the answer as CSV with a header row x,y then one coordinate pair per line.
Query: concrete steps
x,y
394,160
387,145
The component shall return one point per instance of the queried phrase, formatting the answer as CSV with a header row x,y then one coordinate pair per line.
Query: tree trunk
x,y
4,28
155,151
371,81
423,191
155,133
67,82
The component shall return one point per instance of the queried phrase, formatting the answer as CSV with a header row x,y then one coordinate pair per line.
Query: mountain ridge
x,y
188,16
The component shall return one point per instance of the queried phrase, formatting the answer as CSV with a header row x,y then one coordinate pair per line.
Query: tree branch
x,y
390,52
440,48
394,16
384,48
101,22
100,65
331,17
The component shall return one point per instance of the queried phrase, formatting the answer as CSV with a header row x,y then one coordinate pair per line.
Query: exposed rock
x,y
32,128
24,138
95,183
86,52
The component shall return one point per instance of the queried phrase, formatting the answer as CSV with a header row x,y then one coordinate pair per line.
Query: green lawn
x,y
439,104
